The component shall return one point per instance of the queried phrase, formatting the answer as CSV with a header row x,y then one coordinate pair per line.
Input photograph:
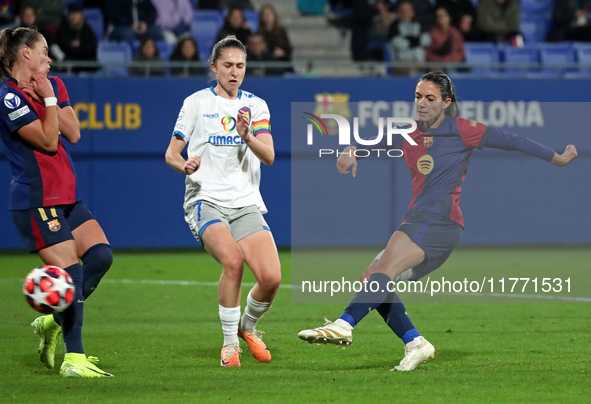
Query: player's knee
x,y
99,257
271,281
233,267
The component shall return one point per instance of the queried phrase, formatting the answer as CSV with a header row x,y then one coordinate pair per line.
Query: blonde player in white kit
x,y
228,134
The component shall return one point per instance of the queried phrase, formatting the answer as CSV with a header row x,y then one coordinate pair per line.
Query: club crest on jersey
x,y
12,101
246,111
473,123
54,225
425,164
428,141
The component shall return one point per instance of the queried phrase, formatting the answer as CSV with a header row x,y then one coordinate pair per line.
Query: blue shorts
x,y
435,234
43,227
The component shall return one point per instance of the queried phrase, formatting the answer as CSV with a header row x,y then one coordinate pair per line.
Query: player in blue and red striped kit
x,y
433,225
44,202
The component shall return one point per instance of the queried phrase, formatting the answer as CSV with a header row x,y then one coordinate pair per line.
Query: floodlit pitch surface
x,y
154,324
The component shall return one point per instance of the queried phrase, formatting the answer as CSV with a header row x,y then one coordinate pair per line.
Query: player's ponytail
x,y
447,89
11,41
228,42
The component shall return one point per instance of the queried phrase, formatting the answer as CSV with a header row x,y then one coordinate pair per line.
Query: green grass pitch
x,y
153,323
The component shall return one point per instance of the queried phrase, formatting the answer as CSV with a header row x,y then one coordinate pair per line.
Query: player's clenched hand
x,y
570,153
242,125
42,85
192,164
347,161
28,88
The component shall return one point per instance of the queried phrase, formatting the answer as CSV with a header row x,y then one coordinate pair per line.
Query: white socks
x,y
230,316
253,312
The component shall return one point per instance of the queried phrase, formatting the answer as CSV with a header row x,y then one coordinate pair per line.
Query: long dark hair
x,y
447,89
11,41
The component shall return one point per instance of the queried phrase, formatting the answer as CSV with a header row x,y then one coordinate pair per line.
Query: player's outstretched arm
x,y
347,161
570,153
175,160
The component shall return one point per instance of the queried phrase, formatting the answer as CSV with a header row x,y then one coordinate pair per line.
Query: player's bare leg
x,y
219,243
260,253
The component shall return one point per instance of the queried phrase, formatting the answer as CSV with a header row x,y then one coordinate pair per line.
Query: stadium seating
x,y
482,53
556,53
205,26
525,55
583,57
115,53
536,7
94,18
534,29
252,18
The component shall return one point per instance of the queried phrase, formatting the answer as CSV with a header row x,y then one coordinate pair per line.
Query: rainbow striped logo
x,y
318,123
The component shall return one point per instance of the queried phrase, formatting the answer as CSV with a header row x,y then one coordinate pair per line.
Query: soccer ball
x,y
49,289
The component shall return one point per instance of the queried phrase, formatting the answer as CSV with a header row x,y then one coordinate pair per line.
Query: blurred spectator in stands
x,y
224,4
378,32
186,50
463,17
274,33
129,20
340,13
174,18
570,21
27,17
407,38
8,13
75,38
234,24
499,20
447,43
424,12
148,52
259,52
49,15
94,4
363,12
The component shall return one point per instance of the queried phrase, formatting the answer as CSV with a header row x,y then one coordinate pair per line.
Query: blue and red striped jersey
x,y
38,179
439,164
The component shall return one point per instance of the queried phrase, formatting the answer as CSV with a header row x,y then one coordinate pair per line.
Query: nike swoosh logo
x,y
225,363
80,301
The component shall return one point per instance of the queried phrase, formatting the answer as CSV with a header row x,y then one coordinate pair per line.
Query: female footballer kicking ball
x,y
35,118
228,134
433,225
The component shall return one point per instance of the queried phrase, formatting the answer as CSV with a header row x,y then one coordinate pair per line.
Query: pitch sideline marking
x,y
289,286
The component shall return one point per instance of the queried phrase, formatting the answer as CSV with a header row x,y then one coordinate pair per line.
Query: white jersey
x,y
230,173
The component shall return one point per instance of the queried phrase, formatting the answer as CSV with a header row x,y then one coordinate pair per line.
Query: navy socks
x,y
394,314
388,304
71,319
96,261
368,299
